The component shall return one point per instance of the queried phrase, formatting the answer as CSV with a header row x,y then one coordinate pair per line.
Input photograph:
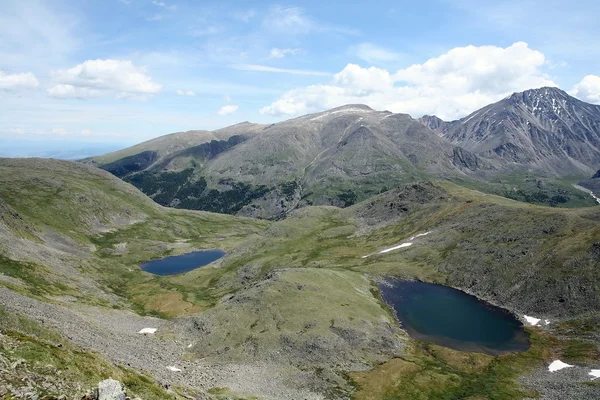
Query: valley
x,y
293,309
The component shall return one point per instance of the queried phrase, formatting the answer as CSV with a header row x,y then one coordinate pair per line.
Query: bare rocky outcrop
x,y
540,129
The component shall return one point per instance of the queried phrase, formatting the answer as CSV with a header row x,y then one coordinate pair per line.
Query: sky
x,y
118,72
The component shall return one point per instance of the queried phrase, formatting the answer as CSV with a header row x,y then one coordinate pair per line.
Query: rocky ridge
x,y
543,130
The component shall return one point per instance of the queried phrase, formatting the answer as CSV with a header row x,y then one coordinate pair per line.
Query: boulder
x,y
111,389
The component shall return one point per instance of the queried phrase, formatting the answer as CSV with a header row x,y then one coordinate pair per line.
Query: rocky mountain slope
x,y
145,154
347,154
545,131
335,157
292,311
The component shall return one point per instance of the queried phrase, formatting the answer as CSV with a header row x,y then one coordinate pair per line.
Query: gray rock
x,y
111,389
542,129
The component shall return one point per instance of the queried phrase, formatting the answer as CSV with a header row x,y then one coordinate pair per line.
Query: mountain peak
x,y
545,129
352,107
543,93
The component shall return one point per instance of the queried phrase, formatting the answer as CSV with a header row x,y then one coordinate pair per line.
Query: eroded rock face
x,y
464,159
542,129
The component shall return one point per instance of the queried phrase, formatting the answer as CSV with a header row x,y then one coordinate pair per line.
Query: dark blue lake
x,y
454,319
183,263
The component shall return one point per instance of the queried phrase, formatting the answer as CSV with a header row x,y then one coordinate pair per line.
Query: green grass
x,y
432,372
35,277
535,190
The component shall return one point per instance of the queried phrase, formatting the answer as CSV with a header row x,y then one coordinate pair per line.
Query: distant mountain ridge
x,y
543,130
349,153
336,157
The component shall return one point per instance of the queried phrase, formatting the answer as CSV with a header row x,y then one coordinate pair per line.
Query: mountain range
x,y
350,153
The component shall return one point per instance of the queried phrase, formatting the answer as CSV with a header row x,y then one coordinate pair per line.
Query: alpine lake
x,y
452,318
180,264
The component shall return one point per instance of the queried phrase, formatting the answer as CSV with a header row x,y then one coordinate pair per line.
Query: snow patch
x,y
470,118
395,247
400,246
595,373
148,330
419,235
557,365
531,320
588,191
173,369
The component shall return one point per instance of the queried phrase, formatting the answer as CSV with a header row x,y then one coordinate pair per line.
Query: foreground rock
x,y
108,389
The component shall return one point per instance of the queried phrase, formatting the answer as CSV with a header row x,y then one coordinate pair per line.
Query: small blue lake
x,y
453,319
183,263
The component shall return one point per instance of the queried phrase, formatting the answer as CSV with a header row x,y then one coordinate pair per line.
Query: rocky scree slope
x,y
543,130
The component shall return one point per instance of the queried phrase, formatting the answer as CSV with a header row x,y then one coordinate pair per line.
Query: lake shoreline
x,y
390,292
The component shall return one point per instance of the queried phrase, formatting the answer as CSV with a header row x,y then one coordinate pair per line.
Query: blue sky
x,y
123,71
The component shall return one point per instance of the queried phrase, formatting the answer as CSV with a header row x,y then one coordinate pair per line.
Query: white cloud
x,y
374,54
450,86
25,80
103,77
364,80
588,89
290,20
266,68
62,91
35,32
294,21
60,131
86,132
280,53
162,4
226,110
185,93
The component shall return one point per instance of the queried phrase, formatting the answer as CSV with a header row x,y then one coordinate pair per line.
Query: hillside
x,y
293,310
337,157
541,130
157,149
